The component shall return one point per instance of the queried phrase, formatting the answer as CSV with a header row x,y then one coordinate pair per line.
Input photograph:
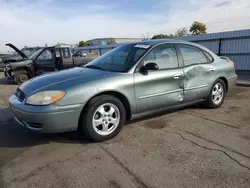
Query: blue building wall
x,y
233,44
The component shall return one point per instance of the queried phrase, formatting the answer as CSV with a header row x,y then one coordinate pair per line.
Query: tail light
x,y
234,65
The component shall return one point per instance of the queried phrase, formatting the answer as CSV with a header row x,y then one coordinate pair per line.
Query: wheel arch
x,y
30,74
124,100
225,81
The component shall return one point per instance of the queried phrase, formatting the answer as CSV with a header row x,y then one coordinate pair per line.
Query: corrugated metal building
x,y
233,44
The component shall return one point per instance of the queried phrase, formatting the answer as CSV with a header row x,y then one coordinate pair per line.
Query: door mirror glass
x,y
151,66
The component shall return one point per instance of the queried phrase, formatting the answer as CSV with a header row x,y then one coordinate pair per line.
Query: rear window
x,y
192,55
209,56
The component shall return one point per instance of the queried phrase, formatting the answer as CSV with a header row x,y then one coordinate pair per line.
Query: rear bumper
x,y
232,81
46,119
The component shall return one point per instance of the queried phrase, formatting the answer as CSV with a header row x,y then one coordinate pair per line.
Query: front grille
x,y
20,95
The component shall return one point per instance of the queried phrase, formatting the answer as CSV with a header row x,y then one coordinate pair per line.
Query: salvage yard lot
x,y
191,147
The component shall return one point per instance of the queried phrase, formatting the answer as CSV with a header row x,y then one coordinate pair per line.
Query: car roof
x,y
154,42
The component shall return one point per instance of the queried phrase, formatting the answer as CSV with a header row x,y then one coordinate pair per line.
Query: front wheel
x,y
217,94
103,118
21,76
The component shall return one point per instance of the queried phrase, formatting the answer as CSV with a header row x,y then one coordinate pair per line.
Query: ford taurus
x,y
131,81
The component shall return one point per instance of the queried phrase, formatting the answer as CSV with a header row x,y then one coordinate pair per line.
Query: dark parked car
x,y
48,59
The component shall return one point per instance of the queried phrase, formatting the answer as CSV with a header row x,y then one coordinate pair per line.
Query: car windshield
x,y
34,55
28,51
120,59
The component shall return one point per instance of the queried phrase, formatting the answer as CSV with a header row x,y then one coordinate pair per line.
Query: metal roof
x,y
214,36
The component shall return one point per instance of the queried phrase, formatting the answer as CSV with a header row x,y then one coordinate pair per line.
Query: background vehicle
x,y
48,59
18,55
128,82
81,58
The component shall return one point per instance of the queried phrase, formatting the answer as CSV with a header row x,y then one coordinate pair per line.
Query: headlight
x,y
45,97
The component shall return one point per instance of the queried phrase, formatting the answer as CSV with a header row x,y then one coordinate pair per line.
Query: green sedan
x,y
131,81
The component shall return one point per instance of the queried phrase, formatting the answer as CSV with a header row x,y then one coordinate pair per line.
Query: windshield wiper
x,y
94,67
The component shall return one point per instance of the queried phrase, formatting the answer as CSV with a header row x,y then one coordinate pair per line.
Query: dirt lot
x,y
191,147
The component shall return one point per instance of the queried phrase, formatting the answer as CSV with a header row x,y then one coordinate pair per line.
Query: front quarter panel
x,y
21,64
81,93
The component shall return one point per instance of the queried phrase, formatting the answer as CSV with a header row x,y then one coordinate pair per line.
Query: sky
x,y
36,22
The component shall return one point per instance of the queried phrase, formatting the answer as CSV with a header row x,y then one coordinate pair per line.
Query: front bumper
x,y
46,119
8,72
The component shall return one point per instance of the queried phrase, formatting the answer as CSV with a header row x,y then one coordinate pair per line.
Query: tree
x,y
82,43
111,41
160,36
181,32
198,28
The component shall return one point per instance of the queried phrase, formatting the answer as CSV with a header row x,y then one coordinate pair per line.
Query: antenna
x,y
143,36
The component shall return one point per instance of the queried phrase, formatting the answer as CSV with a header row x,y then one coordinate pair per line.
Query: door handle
x,y
177,76
210,70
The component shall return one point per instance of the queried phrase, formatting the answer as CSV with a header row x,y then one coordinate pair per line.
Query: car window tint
x,y
28,52
105,50
118,58
192,55
45,55
208,56
57,52
66,53
164,56
138,54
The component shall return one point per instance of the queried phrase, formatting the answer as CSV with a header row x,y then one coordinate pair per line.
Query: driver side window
x,y
164,56
45,55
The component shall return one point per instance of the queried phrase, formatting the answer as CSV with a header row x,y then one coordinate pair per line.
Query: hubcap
x,y
217,93
106,119
23,78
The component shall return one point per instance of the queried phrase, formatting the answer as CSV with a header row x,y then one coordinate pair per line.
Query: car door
x,y
77,58
199,71
162,88
80,58
66,58
45,61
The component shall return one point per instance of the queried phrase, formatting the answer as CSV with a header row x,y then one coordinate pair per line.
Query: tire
x,y
21,76
97,123
216,98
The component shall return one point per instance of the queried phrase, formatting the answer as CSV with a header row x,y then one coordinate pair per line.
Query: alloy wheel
x,y
106,119
217,93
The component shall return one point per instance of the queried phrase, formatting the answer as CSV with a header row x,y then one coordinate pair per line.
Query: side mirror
x,y
150,66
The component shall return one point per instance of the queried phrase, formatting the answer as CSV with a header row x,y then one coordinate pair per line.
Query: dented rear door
x,y
199,72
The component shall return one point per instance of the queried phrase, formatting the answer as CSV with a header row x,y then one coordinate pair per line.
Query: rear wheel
x,y
21,76
217,94
103,118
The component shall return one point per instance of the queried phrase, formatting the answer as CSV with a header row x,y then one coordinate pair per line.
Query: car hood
x,y
61,79
17,50
11,57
